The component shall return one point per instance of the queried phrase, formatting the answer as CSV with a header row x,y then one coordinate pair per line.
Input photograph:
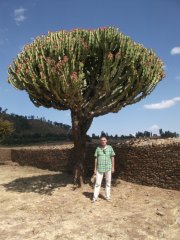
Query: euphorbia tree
x,y
90,72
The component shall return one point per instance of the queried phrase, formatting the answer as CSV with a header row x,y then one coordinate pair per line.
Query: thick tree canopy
x,y
92,72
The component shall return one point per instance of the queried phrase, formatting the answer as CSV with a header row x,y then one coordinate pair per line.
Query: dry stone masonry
x,y
153,162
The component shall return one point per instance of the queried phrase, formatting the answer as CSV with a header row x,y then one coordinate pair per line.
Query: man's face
x,y
103,141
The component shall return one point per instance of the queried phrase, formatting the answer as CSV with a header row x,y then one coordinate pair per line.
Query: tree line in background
x,y
3,113
16,129
145,134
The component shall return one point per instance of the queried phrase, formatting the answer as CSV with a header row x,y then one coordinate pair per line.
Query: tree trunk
x,y
80,126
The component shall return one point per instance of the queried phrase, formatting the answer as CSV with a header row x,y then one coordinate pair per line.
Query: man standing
x,y
104,164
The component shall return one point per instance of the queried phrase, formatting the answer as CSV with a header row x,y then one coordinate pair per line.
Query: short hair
x,y
103,137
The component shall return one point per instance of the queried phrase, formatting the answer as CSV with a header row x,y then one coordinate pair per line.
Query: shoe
x,y
109,199
94,200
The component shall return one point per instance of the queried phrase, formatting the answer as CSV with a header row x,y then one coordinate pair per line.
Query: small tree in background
x,y
6,129
90,72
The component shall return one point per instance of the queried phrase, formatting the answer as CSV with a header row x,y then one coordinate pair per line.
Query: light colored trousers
x,y
99,177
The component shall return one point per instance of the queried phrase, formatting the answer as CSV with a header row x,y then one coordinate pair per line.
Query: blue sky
x,y
155,24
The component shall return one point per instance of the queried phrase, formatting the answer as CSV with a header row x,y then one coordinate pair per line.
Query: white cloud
x,y
163,104
19,15
154,127
175,50
176,99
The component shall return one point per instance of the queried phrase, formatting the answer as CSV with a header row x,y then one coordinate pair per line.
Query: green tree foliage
x,y
168,134
143,134
6,129
96,71
90,72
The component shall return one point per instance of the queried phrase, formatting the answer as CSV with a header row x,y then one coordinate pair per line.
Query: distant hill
x,y
29,129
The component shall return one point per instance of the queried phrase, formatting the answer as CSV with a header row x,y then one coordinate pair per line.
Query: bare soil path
x,y
41,204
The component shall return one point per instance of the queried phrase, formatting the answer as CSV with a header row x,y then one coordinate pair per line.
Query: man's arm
x,y
96,156
112,160
95,166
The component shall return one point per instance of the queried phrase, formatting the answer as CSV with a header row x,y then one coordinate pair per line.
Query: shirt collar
x,y
105,147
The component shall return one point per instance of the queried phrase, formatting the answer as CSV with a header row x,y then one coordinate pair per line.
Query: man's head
x,y
103,141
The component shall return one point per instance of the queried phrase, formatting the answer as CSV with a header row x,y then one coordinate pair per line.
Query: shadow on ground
x,y
90,195
46,183
42,184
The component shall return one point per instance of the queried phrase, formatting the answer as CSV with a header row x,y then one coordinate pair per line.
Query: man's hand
x,y
95,171
112,170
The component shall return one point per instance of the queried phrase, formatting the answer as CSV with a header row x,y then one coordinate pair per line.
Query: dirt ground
x,y
41,204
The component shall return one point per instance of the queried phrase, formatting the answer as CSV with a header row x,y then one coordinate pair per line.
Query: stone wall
x,y
154,163
150,165
5,156
52,158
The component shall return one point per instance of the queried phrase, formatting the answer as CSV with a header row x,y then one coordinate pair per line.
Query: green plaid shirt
x,y
104,162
